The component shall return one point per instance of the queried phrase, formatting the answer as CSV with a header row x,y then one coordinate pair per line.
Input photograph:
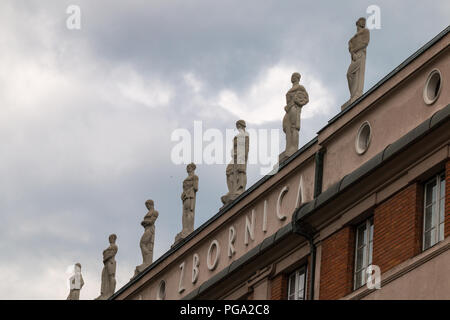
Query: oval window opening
x,y
432,87
363,138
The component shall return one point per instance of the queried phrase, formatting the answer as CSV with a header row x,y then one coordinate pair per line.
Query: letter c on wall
x,y
280,199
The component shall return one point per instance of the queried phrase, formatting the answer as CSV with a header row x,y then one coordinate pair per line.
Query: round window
x,y
363,138
161,295
432,87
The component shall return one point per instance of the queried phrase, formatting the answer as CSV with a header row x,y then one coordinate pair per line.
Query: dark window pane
x,y
442,193
292,285
360,259
428,218
361,236
427,240
360,278
429,192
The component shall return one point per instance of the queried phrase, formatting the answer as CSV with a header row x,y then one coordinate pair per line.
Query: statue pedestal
x,y
178,238
349,102
282,157
285,155
229,197
139,269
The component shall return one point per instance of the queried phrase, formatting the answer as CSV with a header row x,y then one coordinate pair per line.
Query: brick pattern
x,y
447,199
279,287
398,228
336,271
398,224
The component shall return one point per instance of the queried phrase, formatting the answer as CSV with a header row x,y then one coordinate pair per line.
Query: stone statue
x,y
296,98
357,48
76,283
148,238
108,285
237,168
190,187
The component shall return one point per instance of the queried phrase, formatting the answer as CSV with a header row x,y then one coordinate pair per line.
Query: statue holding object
x,y
108,286
148,238
296,98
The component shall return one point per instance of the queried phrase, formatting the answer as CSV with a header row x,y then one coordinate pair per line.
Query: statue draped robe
x,y
296,98
108,285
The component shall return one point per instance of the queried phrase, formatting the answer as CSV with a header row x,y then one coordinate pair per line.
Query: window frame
x,y
436,180
300,272
368,251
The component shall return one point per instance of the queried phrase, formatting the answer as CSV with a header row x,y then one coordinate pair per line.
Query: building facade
x,y
370,194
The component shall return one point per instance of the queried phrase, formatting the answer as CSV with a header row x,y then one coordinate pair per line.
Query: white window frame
x,y
368,250
438,236
300,272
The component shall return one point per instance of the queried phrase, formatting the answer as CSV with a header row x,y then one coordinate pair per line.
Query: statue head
x,y
295,78
361,23
240,124
149,204
191,167
112,238
77,267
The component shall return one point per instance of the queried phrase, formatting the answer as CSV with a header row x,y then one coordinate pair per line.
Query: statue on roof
x,y
108,285
190,188
236,170
357,46
296,98
148,238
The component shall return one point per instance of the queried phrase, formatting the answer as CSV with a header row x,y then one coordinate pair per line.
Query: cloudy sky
x,y
86,115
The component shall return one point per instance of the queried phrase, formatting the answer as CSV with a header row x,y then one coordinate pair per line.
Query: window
x,y
434,206
297,284
432,87
363,254
363,138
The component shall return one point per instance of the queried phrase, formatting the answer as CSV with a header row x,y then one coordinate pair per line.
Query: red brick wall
x,y
398,224
336,270
398,228
279,287
447,199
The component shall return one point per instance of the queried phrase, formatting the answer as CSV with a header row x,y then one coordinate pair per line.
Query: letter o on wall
x,y
212,263
161,293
